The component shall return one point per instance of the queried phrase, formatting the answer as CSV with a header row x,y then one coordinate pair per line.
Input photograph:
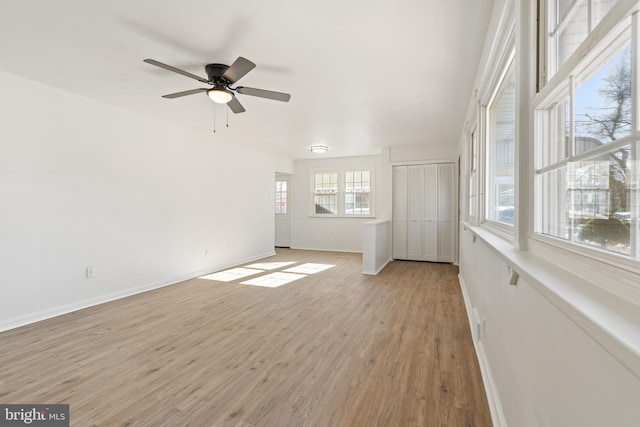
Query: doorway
x,y
282,190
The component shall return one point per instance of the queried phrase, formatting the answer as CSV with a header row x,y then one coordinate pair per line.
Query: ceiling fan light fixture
x,y
319,148
220,95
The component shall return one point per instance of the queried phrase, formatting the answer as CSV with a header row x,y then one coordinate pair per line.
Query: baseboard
x,y
39,316
325,250
493,397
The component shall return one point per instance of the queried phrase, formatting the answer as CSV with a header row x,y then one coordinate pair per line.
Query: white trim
x,y
49,313
598,265
491,390
500,54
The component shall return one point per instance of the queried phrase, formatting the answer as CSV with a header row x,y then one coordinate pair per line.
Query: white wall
x,y
86,184
542,368
435,152
330,234
556,349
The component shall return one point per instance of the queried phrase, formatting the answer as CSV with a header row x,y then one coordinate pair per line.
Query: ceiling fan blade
x,y
235,105
238,69
175,70
269,94
184,93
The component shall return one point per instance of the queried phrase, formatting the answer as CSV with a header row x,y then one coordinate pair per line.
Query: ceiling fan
x,y
222,77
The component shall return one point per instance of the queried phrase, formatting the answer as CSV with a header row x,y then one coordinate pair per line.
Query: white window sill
x,y
611,320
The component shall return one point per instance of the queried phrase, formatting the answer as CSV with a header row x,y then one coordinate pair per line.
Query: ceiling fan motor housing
x,y
215,71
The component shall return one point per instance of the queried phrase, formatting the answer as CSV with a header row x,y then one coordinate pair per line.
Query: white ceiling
x,y
363,75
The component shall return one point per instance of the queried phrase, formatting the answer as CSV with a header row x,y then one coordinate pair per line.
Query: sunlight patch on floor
x,y
270,265
309,268
232,274
273,280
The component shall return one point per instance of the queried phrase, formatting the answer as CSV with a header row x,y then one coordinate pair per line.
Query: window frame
x,y
549,12
355,193
599,47
281,192
473,195
341,191
315,193
507,65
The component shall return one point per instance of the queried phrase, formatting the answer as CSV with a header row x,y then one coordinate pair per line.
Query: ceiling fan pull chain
x,y
214,118
227,116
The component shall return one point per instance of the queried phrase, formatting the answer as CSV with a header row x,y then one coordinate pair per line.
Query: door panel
x,y
445,241
430,251
445,192
414,213
282,223
399,203
414,240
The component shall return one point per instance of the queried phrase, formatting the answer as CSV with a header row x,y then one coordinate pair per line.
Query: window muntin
x,y
557,124
357,192
326,193
281,197
501,152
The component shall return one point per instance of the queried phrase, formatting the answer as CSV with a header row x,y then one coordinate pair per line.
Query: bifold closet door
x,y
415,230
430,211
446,214
423,212
399,202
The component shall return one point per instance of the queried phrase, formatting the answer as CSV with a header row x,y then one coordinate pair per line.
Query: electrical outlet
x,y
90,272
206,252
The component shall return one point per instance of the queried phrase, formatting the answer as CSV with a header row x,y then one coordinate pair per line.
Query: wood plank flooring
x,y
336,348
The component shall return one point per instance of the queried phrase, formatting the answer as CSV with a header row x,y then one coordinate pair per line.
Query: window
x,y
281,197
357,192
500,151
326,193
570,22
587,145
473,156
343,192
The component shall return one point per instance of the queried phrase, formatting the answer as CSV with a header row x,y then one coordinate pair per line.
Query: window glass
x,y
570,22
557,124
326,193
472,178
281,197
585,195
587,201
357,191
500,171
603,104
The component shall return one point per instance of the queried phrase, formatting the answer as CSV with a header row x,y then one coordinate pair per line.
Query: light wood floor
x,y
336,348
